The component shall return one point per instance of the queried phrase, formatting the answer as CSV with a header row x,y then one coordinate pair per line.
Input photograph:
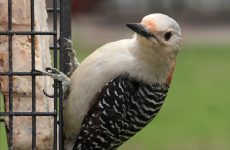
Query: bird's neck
x,y
158,65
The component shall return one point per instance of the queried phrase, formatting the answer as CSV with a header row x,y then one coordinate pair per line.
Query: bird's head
x,y
158,32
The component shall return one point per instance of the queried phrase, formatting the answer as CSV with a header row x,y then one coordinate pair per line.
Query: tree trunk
x,y
22,85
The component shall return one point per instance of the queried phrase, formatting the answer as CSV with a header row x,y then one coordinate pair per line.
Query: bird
x,y
118,89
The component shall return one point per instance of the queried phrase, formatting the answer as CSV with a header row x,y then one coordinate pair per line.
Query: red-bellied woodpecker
x,y
120,88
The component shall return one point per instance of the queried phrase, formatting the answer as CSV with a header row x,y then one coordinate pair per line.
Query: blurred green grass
x,y
3,143
195,115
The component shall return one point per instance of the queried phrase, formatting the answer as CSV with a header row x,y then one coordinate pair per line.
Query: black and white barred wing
x,y
121,108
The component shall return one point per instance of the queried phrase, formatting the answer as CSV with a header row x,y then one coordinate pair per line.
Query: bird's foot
x,y
56,74
73,62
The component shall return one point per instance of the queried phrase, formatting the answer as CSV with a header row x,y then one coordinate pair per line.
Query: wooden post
x,y
22,85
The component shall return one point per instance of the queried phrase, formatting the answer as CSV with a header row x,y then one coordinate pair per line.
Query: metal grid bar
x,y
10,56
33,77
51,47
33,73
65,33
52,9
61,144
55,66
28,113
27,33
59,54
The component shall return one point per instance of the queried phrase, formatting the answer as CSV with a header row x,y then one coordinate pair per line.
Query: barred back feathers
x,y
122,108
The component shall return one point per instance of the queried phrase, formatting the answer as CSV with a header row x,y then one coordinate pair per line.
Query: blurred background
x,y
196,113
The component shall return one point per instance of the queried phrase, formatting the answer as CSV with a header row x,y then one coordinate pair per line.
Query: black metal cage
x,y
59,14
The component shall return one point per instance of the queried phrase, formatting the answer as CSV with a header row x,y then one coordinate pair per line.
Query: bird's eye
x,y
167,36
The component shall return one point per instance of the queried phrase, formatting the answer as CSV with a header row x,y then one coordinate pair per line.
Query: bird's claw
x,y
48,95
56,74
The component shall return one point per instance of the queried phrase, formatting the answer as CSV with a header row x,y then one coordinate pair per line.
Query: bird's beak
x,y
141,29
